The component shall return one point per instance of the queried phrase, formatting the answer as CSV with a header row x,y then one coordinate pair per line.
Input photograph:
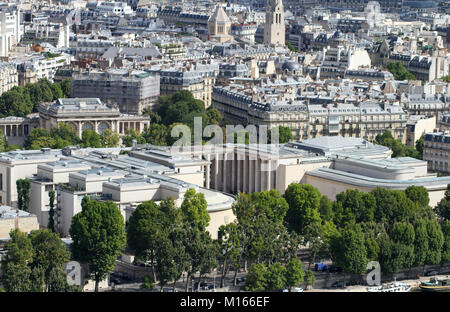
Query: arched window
x,y
87,126
102,126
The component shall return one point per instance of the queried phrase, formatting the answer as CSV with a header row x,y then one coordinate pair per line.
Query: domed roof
x,y
291,66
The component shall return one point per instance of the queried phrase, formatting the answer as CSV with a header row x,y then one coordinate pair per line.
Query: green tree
x,y
419,145
65,133
98,234
229,248
15,268
399,71
256,278
284,135
90,138
443,207
50,255
51,213
109,138
194,209
359,204
446,246
421,248
435,242
291,47
418,194
394,256
294,273
23,193
148,283
131,135
165,265
65,87
275,277
310,279
156,134
213,116
144,231
304,203
403,232
349,251
326,209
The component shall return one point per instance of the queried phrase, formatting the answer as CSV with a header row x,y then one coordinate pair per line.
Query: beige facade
x,y
14,166
12,219
89,114
274,28
394,174
436,148
8,77
366,120
219,26
418,125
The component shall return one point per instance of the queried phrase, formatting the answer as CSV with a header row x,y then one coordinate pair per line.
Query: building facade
x,y
274,28
131,91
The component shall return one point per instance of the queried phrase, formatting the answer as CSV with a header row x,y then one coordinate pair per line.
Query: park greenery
x,y
181,108
397,228
64,135
399,71
23,193
35,262
21,101
398,149
98,234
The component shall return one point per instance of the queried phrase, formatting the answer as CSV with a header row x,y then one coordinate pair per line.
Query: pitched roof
x,y
219,16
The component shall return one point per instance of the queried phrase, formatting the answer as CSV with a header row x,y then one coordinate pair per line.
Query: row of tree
x,y
64,135
21,101
399,71
276,276
397,228
181,108
175,240
35,262
397,147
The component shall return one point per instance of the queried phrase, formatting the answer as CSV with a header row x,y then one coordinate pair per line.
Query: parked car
x,y
338,284
334,269
295,289
202,285
211,287
320,267
240,280
431,273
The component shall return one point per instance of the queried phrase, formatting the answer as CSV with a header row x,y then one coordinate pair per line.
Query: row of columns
x,y
234,174
116,126
125,125
13,130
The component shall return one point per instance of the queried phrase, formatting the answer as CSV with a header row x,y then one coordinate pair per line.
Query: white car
x,y
295,289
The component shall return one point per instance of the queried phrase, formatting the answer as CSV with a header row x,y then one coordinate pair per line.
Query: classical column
x,y
251,174
238,175
224,172
245,175
208,172
269,167
257,175
233,173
